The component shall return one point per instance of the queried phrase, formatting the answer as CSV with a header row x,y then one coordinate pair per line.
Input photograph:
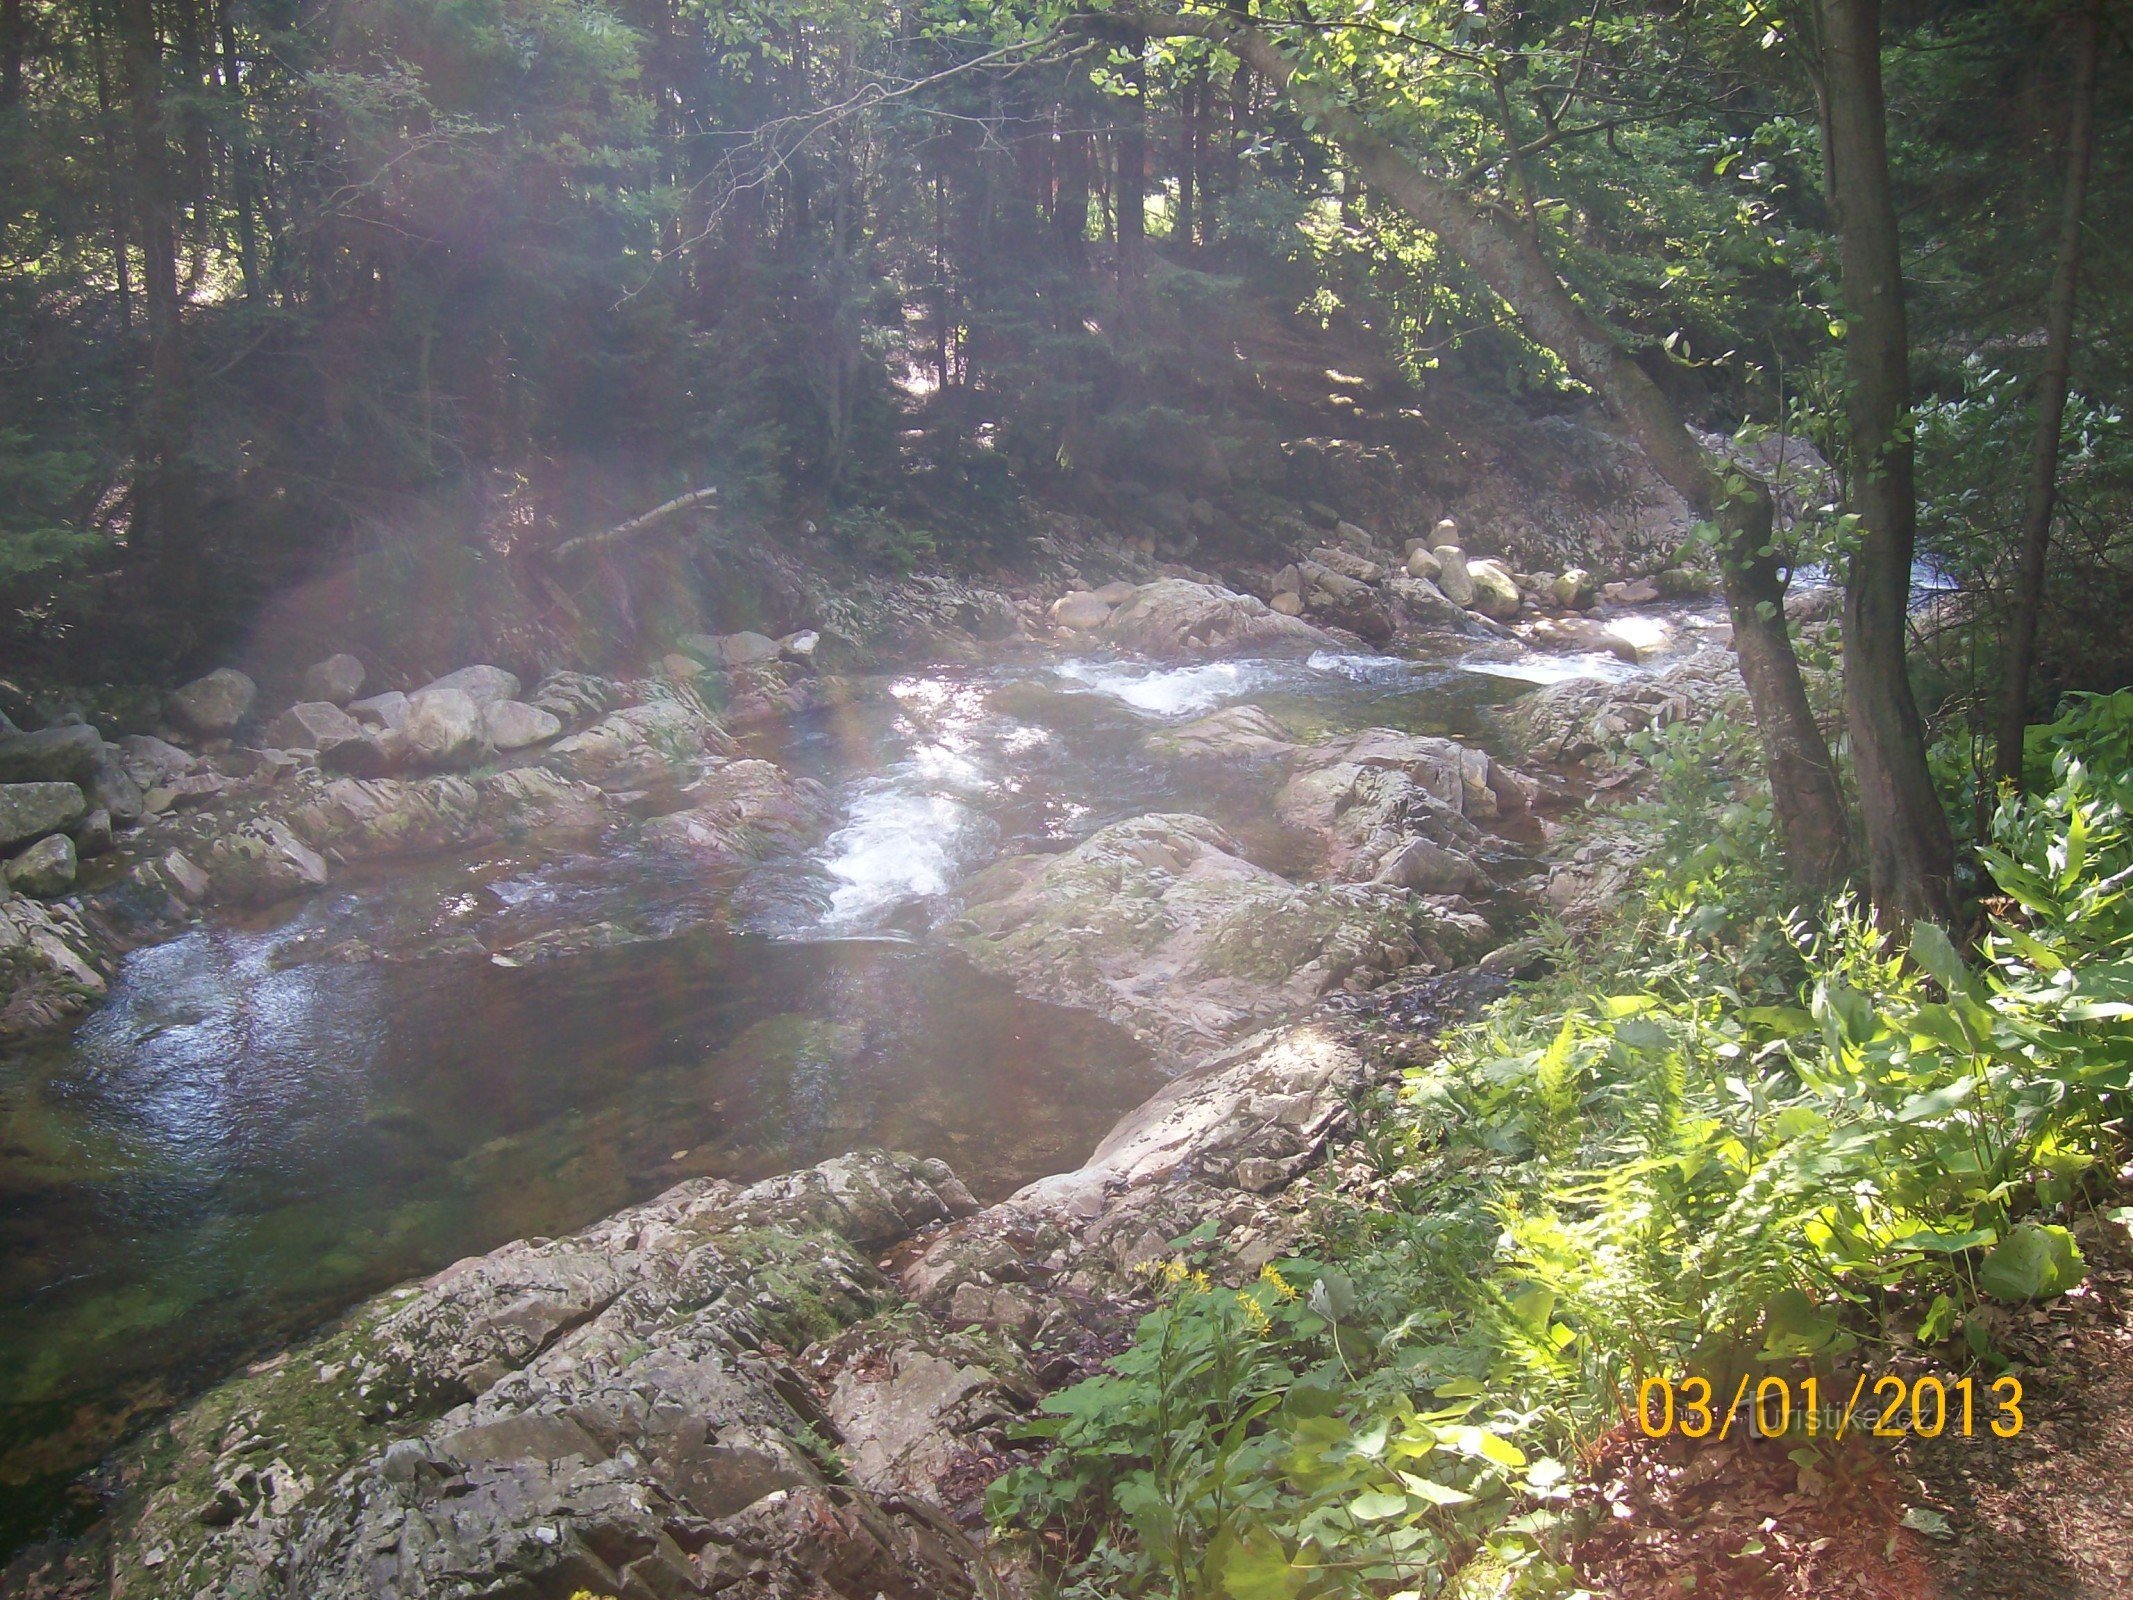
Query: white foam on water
x,y
1362,669
1555,669
1169,691
900,843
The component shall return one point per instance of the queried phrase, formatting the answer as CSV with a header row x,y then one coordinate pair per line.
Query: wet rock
x,y
483,685
1235,733
387,710
742,811
337,680
576,697
1422,563
1348,564
514,725
1286,602
94,835
52,966
443,726
743,649
800,646
45,869
214,704
186,880
1634,592
1082,611
312,725
150,761
1159,923
1575,588
1581,717
657,742
68,754
1495,590
1452,575
1421,604
1176,617
358,817
31,810
263,861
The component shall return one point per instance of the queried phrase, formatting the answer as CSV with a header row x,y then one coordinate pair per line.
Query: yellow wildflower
x,y
1275,1281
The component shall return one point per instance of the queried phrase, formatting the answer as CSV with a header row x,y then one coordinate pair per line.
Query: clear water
x,y
270,1120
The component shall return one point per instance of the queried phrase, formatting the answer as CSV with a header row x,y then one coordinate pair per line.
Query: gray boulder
x,y
52,755
93,835
1574,588
483,685
743,649
1495,590
513,725
45,869
372,753
150,761
263,861
338,679
111,788
387,710
213,705
1422,604
1423,563
1452,575
31,810
1176,617
640,745
1082,611
443,725
312,725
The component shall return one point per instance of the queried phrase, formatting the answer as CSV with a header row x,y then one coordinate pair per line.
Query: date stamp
x,y
1887,1407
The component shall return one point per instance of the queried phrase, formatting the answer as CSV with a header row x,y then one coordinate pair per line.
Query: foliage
x,y
1695,1150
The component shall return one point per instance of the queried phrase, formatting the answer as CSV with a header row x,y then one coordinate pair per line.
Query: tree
x,y
1505,252
2051,403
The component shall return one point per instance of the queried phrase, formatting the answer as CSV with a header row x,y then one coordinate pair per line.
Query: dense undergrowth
x,y
1721,1139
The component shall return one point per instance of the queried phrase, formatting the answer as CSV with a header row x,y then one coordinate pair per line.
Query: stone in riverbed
x,y
1176,617
150,761
1574,588
68,754
743,649
1117,592
1452,575
483,685
1423,563
1236,733
263,861
442,726
214,704
31,810
372,753
1082,611
45,869
311,725
338,679
1287,602
513,725
93,835
387,710
642,745
1422,604
1495,590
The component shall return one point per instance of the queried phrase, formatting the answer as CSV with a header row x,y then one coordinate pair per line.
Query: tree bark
x,y
1131,185
2051,405
14,42
1809,806
1910,847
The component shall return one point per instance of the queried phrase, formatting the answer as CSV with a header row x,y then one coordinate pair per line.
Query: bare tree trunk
x,y
1188,157
1497,245
2051,404
1131,184
162,484
1910,847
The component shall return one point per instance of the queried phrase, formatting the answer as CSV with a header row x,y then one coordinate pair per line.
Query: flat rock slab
x,y
31,810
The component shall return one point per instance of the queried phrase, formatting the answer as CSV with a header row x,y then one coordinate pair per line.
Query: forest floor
x,y
2045,1515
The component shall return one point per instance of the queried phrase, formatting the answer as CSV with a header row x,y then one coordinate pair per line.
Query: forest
x,y
1516,608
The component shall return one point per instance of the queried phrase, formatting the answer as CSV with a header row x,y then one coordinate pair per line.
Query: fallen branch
x,y
635,525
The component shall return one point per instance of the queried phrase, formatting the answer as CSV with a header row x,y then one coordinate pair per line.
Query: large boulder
x,y
443,726
1495,590
729,650
32,810
1162,925
1581,717
483,685
742,811
261,861
1574,588
357,817
52,966
1423,563
1452,575
387,710
1234,734
1421,604
311,725
514,725
1175,617
1082,611
215,704
151,762
338,679
69,754
45,869
653,743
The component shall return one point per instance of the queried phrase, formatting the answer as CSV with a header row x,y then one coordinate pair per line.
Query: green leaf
x,y
2034,1262
1377,1505
1257,1568
1932,950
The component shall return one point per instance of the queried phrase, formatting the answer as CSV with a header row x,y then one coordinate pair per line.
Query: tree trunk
x,y
2051,405
1504,254
162,484
1131,185
1070,197
14,42
1188,157
1910,848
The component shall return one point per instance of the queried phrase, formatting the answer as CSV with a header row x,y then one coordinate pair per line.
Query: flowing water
x,y
270,1120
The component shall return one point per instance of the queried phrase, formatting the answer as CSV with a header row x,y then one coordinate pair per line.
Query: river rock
x,y
94,834
45,869
800,646
1160,924
113,790
485,686
1421,604
311,725
1574,588
1117,592
743,649
261,861
187,880
1422,563
656,742
1176,617
213,705
1582,717
1348,564
575,697
69,754
1287,603
31,810
1082,611
1684,583
1581,633
1633,592
1233,734
1369,798
387,710
741,811
370,817
1452,575
337,680
52,966
513,725
1495,590
150,761
443,726
372,753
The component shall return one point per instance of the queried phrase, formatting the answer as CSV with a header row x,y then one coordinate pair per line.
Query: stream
x,y
272,1118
